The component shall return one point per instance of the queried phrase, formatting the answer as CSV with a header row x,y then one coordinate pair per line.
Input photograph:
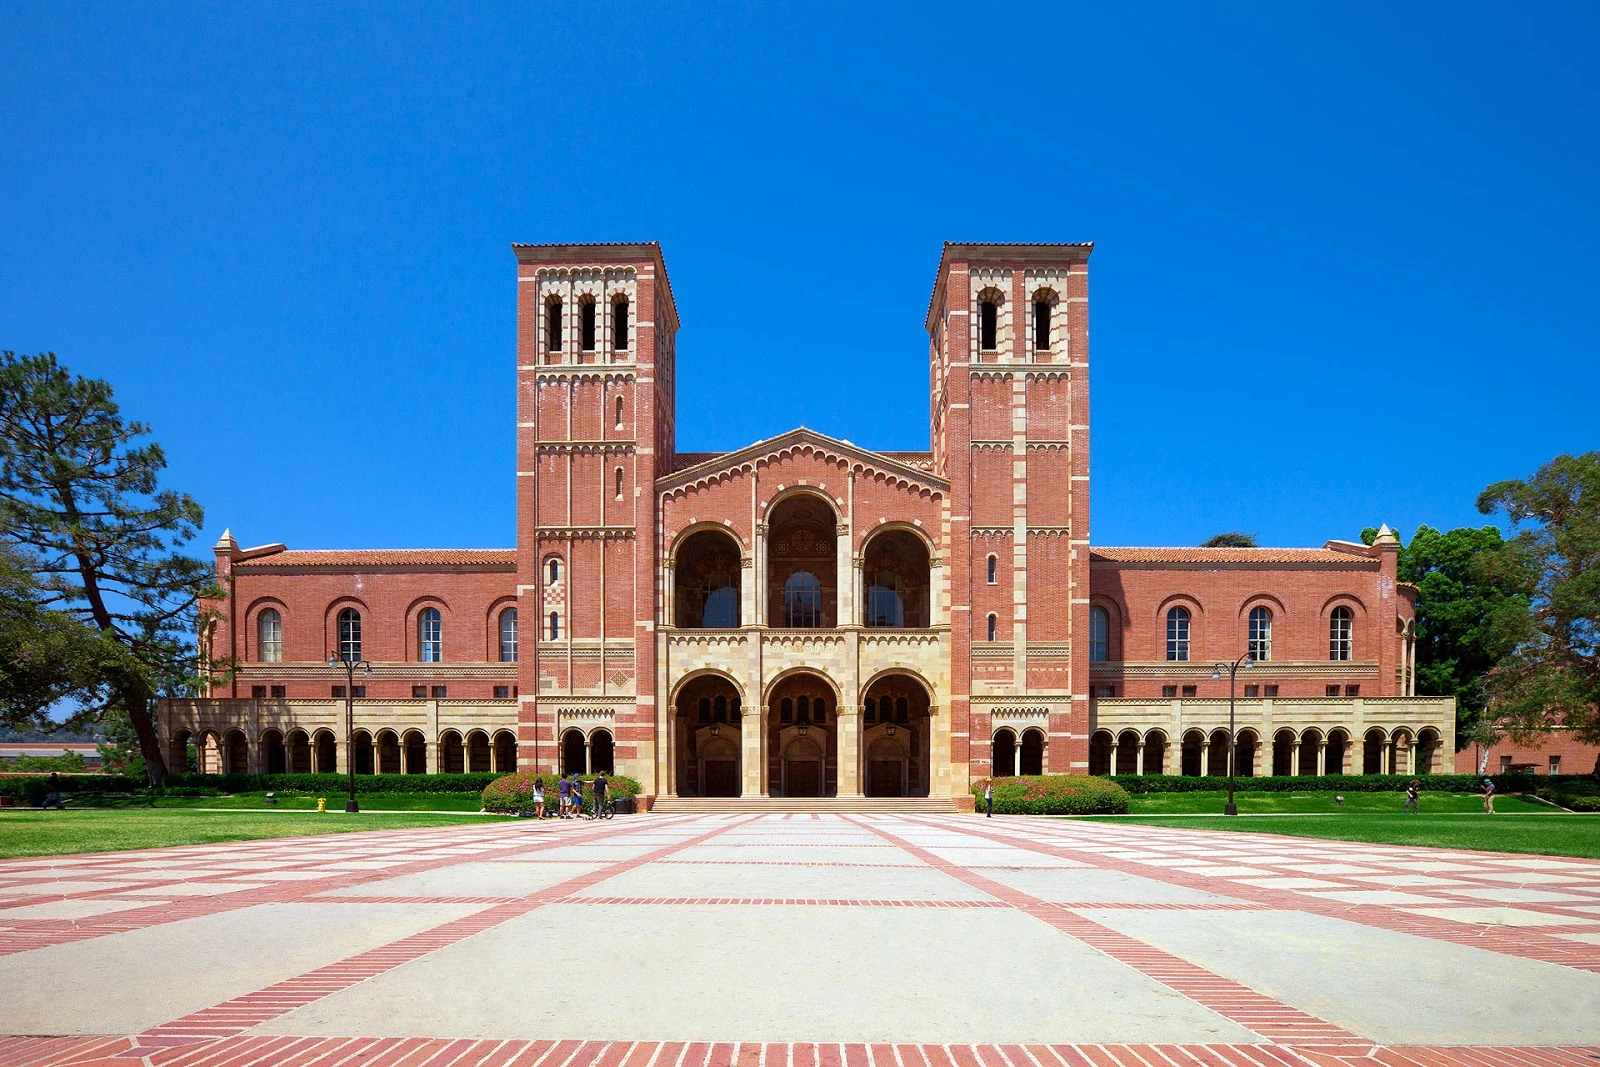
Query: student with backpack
x,y
1411,796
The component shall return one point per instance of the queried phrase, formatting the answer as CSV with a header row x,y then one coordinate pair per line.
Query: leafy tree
x,y
47,657
1231,539
1549,674
1462,607
80,493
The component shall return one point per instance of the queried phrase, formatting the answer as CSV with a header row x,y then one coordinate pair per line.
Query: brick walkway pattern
x,y
799,941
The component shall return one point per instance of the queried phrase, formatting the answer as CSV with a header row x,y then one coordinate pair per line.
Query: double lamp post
x,y
350,663
1247,662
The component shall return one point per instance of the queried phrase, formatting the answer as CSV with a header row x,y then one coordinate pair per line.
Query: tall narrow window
x,y
988,326
1178,634
430,636
508,636
802,601
270,627
1041,325
1099,635
618,479
555,571
619,325
994,627
1260,633
994,568
555,626
350,635
552,326
1340,626
619,413
588,326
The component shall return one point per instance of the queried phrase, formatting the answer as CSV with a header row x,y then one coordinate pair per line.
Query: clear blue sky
x,y
1346,267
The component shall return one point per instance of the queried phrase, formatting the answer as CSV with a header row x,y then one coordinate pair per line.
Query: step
x,y
801,805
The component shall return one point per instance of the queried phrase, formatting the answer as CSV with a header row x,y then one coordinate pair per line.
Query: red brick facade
x,y
804,616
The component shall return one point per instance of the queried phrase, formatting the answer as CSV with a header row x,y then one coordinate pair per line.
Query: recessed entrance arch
x,y
896,736
706,580
1003,758
895,576
327,752
803,737
707,721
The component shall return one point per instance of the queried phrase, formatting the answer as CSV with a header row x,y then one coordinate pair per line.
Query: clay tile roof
x,y
1223,556
388,557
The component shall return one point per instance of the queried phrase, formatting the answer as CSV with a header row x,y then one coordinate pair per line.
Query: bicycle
x,y
608,810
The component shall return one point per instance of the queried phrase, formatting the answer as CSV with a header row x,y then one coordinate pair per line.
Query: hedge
x,y
1334,783
334,783
1054,794
514,792
30,790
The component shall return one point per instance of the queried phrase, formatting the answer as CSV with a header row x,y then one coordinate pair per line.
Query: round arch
x,y
326,750
479,753
1246,744
800,734
452,754
235,753
362,752
1311,746
704,672
416,752
1128,742
389,757
813,672
274,758
1155,751
298,743
1100,752
1003,752
727,529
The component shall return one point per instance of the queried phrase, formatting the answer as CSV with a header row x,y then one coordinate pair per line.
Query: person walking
x,y
538,798
1488,796
988,800
601,787
577,795
564,797
52,794
1411,796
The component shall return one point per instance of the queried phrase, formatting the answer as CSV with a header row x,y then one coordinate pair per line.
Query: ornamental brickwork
x,y
803,617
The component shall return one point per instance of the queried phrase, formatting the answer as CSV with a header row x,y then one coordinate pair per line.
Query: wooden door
x,y
802,778
722,778
885,778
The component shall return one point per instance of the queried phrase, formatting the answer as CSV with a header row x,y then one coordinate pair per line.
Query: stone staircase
x,y
803,805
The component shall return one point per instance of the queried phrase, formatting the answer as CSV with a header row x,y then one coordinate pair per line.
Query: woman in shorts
x,y
538,798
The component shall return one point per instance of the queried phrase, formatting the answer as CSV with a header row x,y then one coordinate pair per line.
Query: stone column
x,y
752,760
1322,757
1114,743
1016,758
1294,756
849,750
848,611
1138,760
759,617
588,756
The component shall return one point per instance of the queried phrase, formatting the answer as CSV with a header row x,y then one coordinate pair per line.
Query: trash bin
x,y
624,805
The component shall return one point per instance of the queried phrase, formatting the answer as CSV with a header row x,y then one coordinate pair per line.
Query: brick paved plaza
x,y
799,941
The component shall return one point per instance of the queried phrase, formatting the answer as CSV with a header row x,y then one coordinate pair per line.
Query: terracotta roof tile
x,y
1202,556
387,557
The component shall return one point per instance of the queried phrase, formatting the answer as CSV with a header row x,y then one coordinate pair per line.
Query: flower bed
x,y
514,792
1054,794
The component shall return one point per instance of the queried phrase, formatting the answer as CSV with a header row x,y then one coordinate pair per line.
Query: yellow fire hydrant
x,y
322,803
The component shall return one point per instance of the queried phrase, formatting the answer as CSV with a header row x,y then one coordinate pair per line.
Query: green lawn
x,y
467,802
52,833
1547,834
1212,803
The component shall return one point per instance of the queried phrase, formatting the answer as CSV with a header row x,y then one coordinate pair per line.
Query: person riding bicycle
x,y
600,790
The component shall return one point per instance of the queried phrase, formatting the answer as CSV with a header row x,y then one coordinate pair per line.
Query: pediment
x,y
801,441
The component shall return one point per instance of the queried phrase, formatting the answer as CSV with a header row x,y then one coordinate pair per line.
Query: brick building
x,y
803,617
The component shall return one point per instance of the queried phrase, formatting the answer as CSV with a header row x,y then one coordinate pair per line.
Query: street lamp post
x,y
1247,662
350,664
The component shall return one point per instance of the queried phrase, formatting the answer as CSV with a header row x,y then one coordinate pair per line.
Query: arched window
x,y
588,326
555,626
719,708
1260,633
1178,634
619,413
1099,635
1340,626
619,328
552,326
350,635
705,709
885,606
994,627
802,600
269,626
508,636
619,483
1041,324
430,636
994,569
988,325
555,571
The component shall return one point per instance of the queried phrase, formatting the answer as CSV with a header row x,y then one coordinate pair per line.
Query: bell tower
x,y
1009,368
595,372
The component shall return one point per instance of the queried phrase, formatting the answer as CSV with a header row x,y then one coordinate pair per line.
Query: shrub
x,y
334,783
1329,783
514,792
1055,794
29,791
